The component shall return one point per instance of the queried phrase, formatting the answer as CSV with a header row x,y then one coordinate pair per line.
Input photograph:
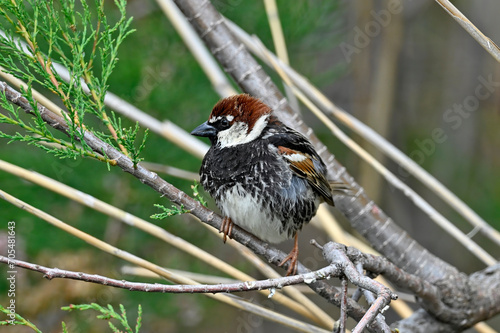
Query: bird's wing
x,y
303,160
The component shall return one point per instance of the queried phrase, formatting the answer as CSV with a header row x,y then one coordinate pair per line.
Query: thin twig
x,y
483,40
202,278
171,171
280,45
54,273
343,305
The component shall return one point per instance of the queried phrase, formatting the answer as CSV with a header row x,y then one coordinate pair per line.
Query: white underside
x,y
246,212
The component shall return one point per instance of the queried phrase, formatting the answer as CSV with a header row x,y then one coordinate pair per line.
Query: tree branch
x,y
54,273
337,253
480,295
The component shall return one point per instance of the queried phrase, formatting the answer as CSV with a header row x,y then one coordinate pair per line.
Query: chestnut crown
x,y
235,120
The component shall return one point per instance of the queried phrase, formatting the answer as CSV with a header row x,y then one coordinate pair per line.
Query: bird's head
x,y
235,120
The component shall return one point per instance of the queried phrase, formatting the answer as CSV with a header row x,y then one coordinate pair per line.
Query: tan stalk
x,y
36,95
202,278
279,45
46,65
483,40
171,171
212,70
381,89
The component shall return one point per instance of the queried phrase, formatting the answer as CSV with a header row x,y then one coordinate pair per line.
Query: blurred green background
x,y
402,81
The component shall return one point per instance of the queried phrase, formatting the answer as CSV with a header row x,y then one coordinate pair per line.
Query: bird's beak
x,y
205,130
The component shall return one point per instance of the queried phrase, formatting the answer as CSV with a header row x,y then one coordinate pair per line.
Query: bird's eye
x,y
224,123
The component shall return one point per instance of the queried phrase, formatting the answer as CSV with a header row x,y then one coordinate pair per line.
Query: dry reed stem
x,y
198,49
280,45
464,22
36,95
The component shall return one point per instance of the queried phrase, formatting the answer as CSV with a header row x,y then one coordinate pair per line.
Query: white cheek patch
x,y
233,136
237,134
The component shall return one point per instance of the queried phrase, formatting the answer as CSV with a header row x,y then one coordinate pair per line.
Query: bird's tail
x,y
341,188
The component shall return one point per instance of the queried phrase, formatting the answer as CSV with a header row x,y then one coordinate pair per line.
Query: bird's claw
x,y
226,228
293,258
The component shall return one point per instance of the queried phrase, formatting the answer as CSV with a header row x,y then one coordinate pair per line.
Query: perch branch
x,y
337,253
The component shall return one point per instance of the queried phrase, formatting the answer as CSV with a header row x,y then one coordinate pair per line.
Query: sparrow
x,y
264,176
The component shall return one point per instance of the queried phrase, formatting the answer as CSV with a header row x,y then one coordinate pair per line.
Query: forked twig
x,y
336,254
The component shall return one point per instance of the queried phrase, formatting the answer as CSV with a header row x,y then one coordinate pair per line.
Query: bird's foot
x,y
226,228
293,258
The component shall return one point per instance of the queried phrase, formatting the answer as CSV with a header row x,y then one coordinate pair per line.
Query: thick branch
x,y
385,236
428,294
481,295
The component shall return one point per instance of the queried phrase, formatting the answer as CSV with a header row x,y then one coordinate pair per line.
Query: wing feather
x,y
302,164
